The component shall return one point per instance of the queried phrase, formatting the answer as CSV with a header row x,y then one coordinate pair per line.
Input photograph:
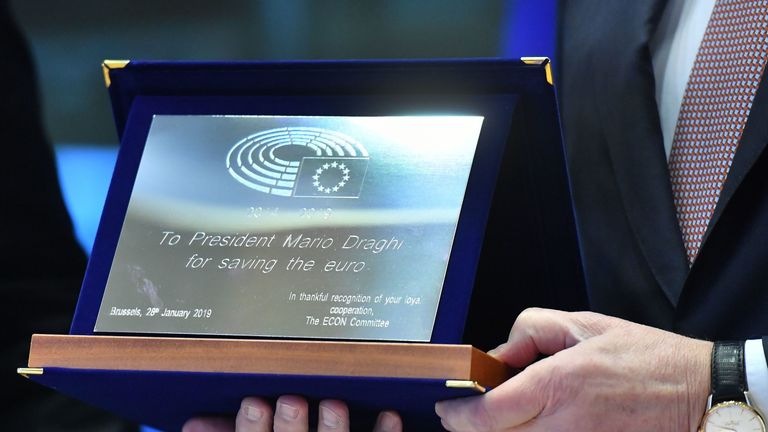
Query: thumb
x,y
546,331
515,402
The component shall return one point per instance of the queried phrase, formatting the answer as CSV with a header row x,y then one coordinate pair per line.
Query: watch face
x,y
732,417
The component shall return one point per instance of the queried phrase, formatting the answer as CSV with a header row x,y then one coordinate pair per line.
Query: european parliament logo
x,y
300,162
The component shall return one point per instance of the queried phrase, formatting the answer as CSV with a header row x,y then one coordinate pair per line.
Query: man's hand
x,y
603,374
291,415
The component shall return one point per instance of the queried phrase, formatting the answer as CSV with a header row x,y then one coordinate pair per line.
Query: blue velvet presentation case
x,y
515,246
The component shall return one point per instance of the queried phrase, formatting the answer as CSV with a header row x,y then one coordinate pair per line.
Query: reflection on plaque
x,y
290,226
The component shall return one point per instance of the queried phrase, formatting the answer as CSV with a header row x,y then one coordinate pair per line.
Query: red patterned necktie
x,y
717,100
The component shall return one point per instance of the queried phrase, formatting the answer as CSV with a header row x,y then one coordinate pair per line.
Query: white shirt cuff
x,y
757,374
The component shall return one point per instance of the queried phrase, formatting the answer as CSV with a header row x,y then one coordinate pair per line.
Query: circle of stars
x,y
342,168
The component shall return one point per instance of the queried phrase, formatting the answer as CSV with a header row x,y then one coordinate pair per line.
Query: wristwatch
x,y
729,408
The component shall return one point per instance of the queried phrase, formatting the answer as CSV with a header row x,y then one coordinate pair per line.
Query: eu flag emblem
x,y
275,162
331,177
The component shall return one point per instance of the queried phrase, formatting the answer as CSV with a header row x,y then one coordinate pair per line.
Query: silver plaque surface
x,y
290,226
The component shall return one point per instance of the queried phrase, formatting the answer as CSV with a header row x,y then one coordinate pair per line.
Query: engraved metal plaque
x,y
290,226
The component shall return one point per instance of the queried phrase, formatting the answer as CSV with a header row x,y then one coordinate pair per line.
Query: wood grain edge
x,y
327,358
487,370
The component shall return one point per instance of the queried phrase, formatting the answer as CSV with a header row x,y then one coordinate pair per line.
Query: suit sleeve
x,y
765,349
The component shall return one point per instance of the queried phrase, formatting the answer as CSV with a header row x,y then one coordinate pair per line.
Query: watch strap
x,y
729,380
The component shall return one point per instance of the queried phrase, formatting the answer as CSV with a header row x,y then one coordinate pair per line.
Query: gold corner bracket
x,y
541,61
464,384
108,65
26,372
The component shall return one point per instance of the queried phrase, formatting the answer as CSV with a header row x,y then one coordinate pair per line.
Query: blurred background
x,y
70,39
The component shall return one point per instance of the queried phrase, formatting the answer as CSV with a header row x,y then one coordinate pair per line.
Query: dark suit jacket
x,y
632,247
42,265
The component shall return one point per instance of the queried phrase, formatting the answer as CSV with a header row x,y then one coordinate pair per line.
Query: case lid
x,y
127,79
516,98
